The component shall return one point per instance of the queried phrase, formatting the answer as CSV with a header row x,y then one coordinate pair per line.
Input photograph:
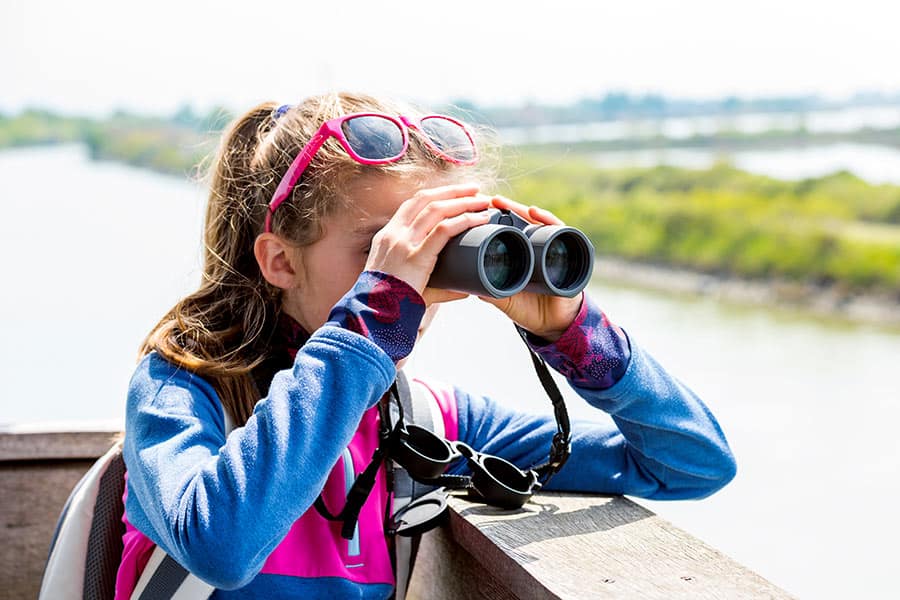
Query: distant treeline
x,y
833,230
622,105
173,145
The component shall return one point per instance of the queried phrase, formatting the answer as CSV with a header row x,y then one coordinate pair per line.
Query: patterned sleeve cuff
x,y
384,309
592,353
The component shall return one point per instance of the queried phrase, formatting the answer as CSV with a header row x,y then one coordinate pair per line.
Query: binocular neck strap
x,y
560,447
365,482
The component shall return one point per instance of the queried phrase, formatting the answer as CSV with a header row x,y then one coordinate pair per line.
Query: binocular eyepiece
x,y
508,254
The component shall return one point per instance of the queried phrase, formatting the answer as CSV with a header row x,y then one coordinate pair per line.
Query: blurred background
x,y
736,164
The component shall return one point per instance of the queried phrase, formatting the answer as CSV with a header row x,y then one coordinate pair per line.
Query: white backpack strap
x,y
71,570
426,411
164,579
421,408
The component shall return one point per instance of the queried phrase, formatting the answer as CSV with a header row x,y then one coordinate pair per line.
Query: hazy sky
x,y
91,56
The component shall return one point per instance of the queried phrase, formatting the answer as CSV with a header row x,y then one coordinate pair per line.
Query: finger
x,y
501,303
446,229
516,207
412,207
437,211
437,296
544,216
532,214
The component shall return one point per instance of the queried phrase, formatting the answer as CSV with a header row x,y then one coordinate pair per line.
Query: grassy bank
x,y
834,230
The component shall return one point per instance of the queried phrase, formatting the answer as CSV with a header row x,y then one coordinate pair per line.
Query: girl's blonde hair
x,y
223,330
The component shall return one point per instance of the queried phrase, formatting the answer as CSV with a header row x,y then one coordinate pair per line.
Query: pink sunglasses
x,y
377,139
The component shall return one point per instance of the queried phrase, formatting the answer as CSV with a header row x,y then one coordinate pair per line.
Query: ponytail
x,y
221,331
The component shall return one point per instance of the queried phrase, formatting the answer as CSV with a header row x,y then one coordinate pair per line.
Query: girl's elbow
x,y
727,471
224,572
717,477
698,482
224,562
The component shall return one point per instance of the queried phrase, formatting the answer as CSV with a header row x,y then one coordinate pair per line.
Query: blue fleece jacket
x,y
220,505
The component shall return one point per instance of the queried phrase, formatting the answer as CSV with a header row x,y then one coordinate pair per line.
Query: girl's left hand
x,y
542,315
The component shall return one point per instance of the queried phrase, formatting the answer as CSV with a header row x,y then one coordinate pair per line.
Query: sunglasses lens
x,y
450,138
373,138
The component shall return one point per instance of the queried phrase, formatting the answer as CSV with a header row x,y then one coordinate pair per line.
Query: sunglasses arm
x,y
295,171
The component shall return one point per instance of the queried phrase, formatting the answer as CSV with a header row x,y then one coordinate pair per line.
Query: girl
x,y
321,233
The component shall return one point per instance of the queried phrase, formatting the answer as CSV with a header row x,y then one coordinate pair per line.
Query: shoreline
x,y
805,299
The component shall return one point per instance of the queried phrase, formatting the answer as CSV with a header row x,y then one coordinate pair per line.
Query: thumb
x,y
501,303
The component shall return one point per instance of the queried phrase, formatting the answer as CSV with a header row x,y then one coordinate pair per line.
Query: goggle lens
x,y
450,138
373,137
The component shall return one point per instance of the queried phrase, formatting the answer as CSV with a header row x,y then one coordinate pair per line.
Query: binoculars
x,y
508,254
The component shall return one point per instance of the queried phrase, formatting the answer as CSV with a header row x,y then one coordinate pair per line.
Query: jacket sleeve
x,y
662,442
219,505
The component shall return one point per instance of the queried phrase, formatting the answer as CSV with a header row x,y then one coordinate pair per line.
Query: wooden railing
x,y
556,546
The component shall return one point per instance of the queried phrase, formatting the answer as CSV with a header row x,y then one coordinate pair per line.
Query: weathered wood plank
x,y
55,445
557,546
444,571
32,495
580,546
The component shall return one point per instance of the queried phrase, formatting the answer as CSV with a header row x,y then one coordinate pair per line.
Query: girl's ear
x,y
277,260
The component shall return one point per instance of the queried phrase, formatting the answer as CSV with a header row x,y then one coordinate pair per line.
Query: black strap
x,y
561,446
365,482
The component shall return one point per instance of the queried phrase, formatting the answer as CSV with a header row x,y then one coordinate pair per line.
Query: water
x,y
841,120
92,256
876,164
95,253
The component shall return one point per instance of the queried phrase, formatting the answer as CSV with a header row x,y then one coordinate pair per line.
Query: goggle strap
x,y
560,446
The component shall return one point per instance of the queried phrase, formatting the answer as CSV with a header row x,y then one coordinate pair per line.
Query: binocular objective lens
x,y
563,262
499,264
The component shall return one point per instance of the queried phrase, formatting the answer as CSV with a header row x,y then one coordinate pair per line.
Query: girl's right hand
x,y
407,247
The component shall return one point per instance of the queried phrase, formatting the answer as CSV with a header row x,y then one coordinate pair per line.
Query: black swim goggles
x,y
425,457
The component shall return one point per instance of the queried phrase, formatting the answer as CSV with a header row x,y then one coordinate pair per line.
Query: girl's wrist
x,y
591,353
574,309
383,308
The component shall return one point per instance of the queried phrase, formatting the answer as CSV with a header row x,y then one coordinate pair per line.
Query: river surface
x,y
94,253
836,120
875,163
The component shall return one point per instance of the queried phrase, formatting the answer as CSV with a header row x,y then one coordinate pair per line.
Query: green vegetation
x,y
34,127
173,145
829,230
835,230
